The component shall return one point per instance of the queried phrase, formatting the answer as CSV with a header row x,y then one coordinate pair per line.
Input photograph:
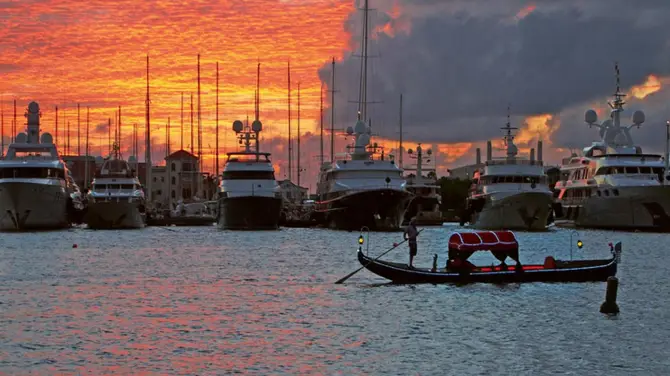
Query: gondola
x,y
502,244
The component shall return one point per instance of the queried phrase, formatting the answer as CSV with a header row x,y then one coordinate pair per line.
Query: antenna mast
x,y
217,120
147,151
182,120
258,91
55,138
119,131
363,93
14,124
192,143
290,143
109,136
2,126
400,148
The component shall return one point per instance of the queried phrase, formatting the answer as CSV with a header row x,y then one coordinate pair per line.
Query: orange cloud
x,y
652,85
525,11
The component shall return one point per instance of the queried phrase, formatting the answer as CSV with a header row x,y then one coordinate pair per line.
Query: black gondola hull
x,y
566,271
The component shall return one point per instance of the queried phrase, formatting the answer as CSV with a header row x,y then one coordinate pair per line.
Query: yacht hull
x,y
114,215
379,210
26,206
527,211
249,213
634,208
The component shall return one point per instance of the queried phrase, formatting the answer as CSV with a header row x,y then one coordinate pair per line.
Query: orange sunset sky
x,y
64,52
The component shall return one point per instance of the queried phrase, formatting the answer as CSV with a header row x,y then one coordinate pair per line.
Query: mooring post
x,y
610,306
434,263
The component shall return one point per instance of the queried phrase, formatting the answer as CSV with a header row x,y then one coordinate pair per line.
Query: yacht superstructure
x,y
248,195
425,206
614,185
36,188
509,193
116,199
361,190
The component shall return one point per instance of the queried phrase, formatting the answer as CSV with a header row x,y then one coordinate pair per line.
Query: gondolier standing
x,y
410,235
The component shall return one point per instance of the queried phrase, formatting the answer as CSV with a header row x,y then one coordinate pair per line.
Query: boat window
x,y
615,192
31,173
114,187
607,193
518,179
600,193
248,175
645,170
127,186
631,170
99,187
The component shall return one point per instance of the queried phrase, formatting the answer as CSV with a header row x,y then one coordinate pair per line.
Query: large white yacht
x,y
509,193
248,195
358,190
425,207
36,188
614,185
116,199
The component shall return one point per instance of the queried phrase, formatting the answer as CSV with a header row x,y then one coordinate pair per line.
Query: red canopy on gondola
x,y
502,244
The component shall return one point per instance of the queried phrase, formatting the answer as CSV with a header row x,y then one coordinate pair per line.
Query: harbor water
x,y
203,301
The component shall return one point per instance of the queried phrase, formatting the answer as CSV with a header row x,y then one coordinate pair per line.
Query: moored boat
x,y
503,245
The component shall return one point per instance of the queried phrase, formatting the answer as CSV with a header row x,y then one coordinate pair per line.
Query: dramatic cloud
x,y
460,63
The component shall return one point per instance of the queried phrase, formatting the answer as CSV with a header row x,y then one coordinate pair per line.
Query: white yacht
x,y
358,190
248,195
614,185
509,193
36,188
116,199
425,207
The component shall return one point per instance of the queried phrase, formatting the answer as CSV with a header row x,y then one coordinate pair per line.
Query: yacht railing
x,y
505,161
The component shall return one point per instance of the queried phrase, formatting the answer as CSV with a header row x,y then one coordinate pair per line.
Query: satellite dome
x,y
410,151
34,107
430,151
363,140
46,138
132,159
21,138
638,117
237,126
350,130
360,127
590,117
257,126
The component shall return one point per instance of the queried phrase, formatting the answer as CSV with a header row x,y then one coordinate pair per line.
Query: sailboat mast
x,y
182,120
290,141
363,95
199,127
88,119
147,151
400,147
14,123
258,90
55,138
119,130
192,143
78,130
167,131
217,120
109,136
298,134
332,112
321,121
2,126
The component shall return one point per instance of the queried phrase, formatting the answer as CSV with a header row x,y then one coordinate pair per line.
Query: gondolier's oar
x,y
341,280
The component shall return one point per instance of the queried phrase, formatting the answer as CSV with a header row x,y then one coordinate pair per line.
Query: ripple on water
x,y
203,301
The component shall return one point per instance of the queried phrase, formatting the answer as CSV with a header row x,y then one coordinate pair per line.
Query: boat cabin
x,y
462,245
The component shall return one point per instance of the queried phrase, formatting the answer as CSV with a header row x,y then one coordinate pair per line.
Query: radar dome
x,y
350,130
410,151
638,117
360,127
257,126
34,107
131,159
46,138
430,151
363,140
590,117
237,126
21,138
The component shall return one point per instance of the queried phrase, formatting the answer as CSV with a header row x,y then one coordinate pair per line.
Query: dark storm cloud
x,y
463,62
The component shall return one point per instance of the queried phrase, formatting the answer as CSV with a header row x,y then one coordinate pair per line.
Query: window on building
x,y
155,179
174,180
162,179
173,194
173,167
